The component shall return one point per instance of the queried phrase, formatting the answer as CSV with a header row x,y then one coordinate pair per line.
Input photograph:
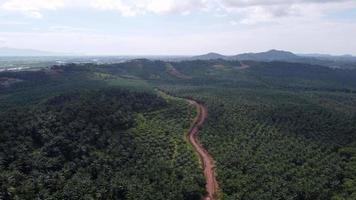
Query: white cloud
x,y
257,11
323,37
249,11
172,6
132,8
118,5
246,3
127,8
250,25
32,8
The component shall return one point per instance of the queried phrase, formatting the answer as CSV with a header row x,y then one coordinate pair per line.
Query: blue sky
x,y
179,27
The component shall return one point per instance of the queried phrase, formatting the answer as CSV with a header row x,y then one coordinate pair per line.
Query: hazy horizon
x,y
75,54
185,27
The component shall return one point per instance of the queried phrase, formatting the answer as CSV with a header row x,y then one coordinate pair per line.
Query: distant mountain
x,y
272,55
209,56
344,61
5,51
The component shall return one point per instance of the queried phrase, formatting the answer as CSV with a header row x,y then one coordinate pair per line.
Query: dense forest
x,y
85,131
289,135
106,144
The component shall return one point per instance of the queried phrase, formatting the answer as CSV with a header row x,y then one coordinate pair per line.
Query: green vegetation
x,y
276,131
108,144
273,138
78,136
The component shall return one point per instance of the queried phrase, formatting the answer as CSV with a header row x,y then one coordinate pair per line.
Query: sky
x,y
179,27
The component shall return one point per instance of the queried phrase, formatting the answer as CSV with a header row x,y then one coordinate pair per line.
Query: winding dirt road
x,y
205,158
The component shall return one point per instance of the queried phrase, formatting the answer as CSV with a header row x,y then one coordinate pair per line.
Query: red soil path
x,y
205,158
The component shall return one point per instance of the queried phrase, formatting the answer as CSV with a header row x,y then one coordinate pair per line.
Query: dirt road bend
x,y
206,160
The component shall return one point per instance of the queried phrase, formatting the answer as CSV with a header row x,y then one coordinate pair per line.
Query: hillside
x,y
276,130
